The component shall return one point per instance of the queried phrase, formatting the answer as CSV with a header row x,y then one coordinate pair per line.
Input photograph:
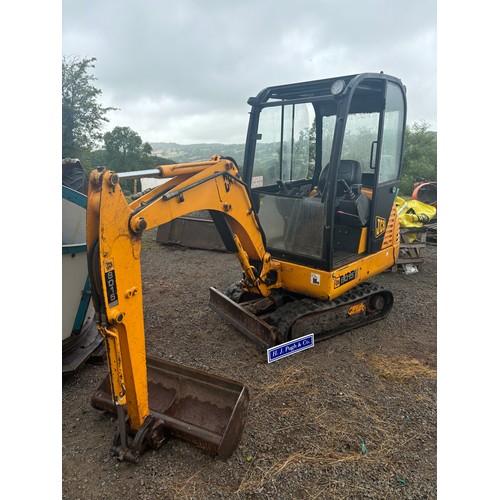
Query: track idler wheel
x,y
376,303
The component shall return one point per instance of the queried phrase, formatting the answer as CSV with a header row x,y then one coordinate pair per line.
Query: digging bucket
x,y
201,408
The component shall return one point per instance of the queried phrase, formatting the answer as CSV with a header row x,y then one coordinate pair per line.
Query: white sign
x,y
257,181
290,347
315,279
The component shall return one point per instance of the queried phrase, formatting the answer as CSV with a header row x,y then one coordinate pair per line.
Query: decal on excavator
x,y
357,309
110,279
257,181
315,279
381,225
345,278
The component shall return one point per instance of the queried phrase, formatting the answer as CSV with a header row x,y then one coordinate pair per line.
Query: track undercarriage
x,y
282,317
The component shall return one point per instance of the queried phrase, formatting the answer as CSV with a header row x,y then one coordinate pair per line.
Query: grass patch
x,y
326,437
398,369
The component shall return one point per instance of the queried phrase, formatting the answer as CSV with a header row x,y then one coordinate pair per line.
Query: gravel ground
x,y
353,417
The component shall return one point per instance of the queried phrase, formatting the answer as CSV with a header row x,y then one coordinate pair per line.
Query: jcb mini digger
x,y
310,217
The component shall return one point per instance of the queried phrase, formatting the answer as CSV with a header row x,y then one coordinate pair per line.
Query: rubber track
x,y
286,315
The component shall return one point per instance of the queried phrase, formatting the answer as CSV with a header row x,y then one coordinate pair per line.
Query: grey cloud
x,y
197,58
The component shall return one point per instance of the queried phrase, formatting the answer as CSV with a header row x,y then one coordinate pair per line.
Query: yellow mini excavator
x,y
310,217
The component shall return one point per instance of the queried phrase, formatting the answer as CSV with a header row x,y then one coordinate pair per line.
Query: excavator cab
x,y
323,163
323,160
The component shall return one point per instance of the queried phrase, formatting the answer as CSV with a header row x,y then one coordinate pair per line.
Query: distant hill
x,y
182,153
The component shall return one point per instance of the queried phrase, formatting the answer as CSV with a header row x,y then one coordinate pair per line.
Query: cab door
x,y
386,159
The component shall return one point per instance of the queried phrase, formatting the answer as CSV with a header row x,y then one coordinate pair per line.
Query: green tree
x,y
419,157
147,148
82,114
125,152
124,149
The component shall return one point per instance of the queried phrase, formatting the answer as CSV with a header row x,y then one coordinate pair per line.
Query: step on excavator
x,y
310,217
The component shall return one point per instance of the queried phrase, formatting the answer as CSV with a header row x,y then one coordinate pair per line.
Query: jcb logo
x,y
380,226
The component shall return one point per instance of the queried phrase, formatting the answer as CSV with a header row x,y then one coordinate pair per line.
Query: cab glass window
x,y
285,149
284,168
360,139
390,154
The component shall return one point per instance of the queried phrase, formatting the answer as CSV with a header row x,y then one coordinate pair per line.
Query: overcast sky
x,y
182,71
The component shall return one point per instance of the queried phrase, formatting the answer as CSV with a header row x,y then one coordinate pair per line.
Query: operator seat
x,y
351,206
349,171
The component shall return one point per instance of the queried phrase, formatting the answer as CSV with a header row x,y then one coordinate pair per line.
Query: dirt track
x,y
353,417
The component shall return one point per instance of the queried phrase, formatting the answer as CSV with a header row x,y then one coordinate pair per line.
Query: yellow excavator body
x,y
307,242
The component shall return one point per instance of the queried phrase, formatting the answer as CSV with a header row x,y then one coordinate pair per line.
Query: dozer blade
x,y
201,408
253,327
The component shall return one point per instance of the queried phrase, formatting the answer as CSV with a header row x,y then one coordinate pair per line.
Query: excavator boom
x,y
153,398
